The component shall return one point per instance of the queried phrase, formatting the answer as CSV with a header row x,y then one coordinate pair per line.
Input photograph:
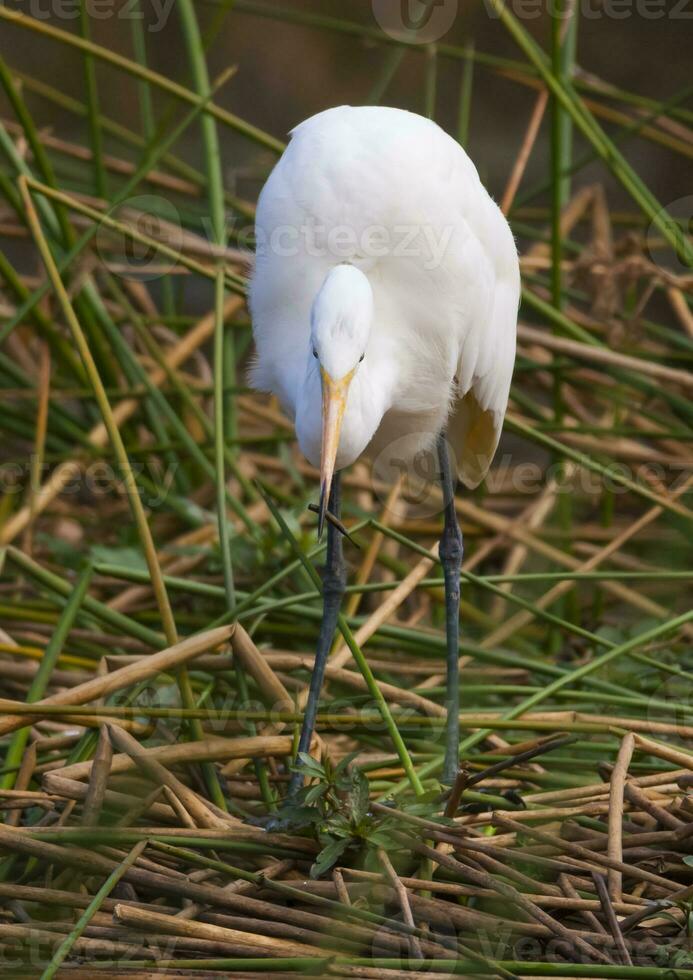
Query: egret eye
x,y
315,353
361,358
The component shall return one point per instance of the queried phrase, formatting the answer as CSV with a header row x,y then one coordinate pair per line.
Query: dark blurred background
x,y
288,70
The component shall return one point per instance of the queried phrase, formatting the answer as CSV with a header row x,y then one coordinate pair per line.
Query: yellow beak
x,y
334,396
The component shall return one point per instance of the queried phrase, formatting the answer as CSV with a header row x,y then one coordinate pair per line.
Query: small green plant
x,y
678,953
336,805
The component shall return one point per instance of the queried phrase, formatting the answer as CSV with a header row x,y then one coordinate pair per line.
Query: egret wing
x,y
486,362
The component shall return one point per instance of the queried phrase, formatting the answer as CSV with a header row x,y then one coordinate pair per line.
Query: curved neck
x,y
368,400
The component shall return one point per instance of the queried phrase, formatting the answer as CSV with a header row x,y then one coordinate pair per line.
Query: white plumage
x,y
384,270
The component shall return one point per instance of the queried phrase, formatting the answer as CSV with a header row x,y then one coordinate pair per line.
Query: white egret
x,y
384,303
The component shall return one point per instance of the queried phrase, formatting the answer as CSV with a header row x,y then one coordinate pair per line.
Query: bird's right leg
x,y
333,585
451,552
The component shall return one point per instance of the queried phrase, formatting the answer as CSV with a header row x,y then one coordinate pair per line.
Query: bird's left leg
x,y
451,551
333,585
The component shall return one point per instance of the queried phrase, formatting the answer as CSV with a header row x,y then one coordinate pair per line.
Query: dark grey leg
x,y
451,551
333,585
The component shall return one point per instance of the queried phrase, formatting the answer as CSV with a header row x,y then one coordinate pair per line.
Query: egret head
x,y
341,320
